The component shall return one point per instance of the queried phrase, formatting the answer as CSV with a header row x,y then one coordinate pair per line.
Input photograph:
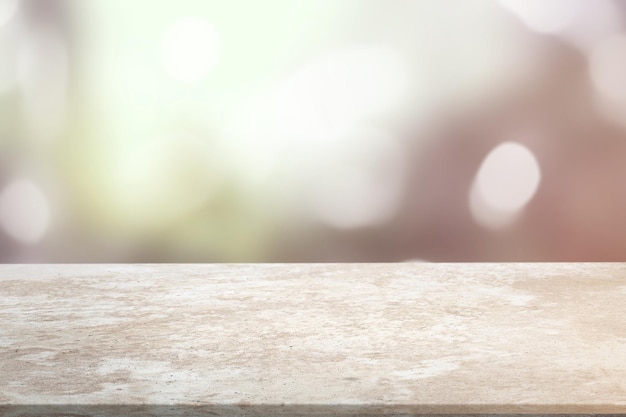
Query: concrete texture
x,y
312,339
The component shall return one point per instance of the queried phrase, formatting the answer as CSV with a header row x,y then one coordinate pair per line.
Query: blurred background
x,y
312,130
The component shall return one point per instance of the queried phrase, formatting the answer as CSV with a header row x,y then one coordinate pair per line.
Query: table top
x,y
313,339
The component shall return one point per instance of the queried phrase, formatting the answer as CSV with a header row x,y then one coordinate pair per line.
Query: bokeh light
x,y
546,16
594,23
344,88
505,182
608,63
306,131
24,211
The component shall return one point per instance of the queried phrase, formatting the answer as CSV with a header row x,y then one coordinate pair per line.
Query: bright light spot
x,y
24,211
7,10
190,49
361,186
506,181
608,65
546,16
343,89
508,177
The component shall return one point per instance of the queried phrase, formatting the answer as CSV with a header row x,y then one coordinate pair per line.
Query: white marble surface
x,y
312,339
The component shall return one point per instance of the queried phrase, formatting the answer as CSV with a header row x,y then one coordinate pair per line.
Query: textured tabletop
x,y
312,339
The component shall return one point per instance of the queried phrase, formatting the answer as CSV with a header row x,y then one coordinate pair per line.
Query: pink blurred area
x,y
277,131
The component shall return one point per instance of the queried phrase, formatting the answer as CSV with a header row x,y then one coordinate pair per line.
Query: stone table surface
x,y
312,339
